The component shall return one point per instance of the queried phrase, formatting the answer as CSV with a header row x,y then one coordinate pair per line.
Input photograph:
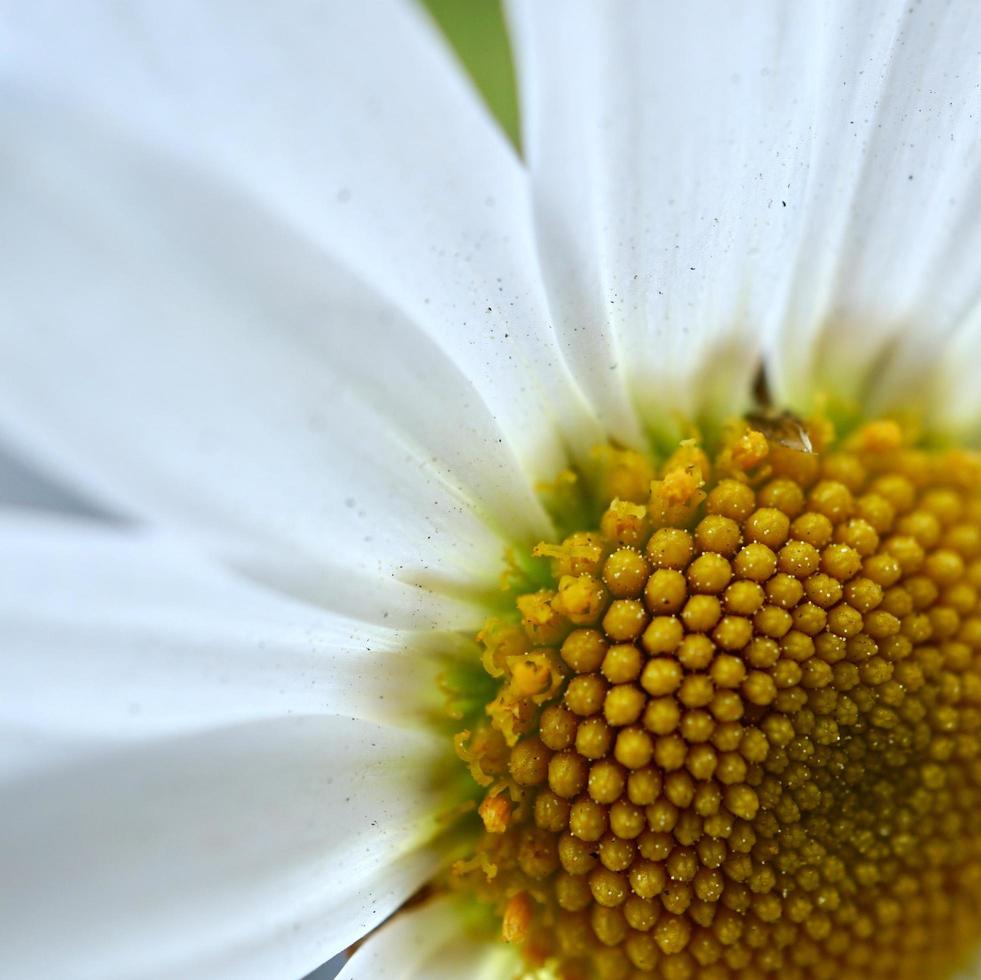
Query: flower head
x,y
578,549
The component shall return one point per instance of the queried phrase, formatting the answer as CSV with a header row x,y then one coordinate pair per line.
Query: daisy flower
x,y
573,558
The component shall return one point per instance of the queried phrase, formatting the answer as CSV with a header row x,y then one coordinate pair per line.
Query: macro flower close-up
x,y
458,538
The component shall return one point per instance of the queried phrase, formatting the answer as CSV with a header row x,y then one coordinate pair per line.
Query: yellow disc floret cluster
x,y
738,735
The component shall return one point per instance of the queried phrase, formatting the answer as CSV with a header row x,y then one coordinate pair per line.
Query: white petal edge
x,y
650,135
353,123
430,942
203,366
113,634
884,273
257,850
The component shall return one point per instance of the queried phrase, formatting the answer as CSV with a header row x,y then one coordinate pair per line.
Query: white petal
x,y
809,173
957,394
352,122
253,851
886,267
26,749
203,365
430,942
22,486
109,634
650,135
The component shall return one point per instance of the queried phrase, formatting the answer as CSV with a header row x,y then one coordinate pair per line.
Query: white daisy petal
x,y
957,399
22,486
202,365
808,173
252,851
660,199
110,635
430,942
26,749
886,266
351,122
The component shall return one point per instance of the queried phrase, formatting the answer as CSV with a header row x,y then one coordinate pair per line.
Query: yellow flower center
x,y
738,734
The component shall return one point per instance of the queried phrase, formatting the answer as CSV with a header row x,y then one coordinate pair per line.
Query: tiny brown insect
x,y
783,428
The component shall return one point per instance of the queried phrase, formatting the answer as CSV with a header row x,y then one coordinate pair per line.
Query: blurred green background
x,y
476,31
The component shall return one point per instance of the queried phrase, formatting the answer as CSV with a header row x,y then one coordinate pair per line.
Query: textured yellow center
x,y
738,734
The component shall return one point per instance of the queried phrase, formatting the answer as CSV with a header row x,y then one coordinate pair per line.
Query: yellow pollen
x,y
517,918
880,436
738,732
750,450
495,812
679,486
528,678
